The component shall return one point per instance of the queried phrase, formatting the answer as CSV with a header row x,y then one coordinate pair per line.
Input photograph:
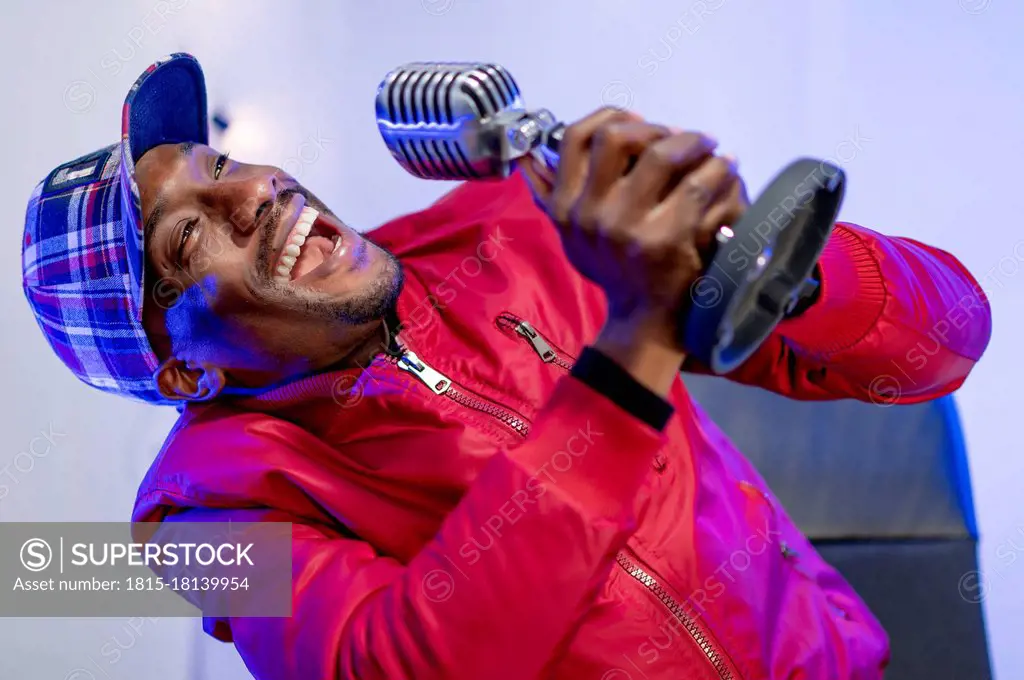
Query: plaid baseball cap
x,y
82,254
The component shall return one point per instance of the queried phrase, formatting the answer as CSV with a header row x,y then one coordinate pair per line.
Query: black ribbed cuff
x,y
603,375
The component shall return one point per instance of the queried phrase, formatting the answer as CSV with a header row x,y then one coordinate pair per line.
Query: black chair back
x,y
884,494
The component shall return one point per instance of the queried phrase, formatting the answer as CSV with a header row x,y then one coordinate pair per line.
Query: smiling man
x,y
472,416
265,243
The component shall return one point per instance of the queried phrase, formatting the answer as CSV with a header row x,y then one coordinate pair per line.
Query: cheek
x,y
219,270
219,257
201,316
184,318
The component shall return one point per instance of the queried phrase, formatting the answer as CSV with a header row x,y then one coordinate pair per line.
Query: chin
x,y
361,291
368,292
369,267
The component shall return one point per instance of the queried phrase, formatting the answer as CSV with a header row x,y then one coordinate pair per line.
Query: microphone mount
x,y
510,135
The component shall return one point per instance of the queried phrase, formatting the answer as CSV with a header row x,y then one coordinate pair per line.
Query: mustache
x,y
269,228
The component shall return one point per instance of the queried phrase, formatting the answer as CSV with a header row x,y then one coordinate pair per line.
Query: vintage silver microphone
x,y
468,122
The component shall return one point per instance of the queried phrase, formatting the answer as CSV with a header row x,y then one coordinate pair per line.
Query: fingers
x,y
615,149
662,164
729,207
574,159
615,169
708,197
540,179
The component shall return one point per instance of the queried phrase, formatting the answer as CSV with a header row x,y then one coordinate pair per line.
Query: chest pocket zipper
x,y
442,386
513,325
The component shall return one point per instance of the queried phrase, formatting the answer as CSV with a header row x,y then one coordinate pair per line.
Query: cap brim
x,y
166,105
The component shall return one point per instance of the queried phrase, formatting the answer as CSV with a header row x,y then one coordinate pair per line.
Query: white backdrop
x,y
920,100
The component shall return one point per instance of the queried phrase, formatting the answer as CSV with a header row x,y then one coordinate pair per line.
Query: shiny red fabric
x,y
523,526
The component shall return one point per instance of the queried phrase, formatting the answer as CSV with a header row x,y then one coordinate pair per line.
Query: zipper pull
x,y
435,380
542,348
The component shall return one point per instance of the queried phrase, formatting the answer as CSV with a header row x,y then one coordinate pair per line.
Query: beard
x,y
380,296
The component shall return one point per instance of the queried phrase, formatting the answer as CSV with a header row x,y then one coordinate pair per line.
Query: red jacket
x,y
514,523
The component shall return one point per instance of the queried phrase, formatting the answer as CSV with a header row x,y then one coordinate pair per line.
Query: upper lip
x,y
283,228
286,223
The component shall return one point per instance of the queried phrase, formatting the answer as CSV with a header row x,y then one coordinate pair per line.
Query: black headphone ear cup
x,y
763,267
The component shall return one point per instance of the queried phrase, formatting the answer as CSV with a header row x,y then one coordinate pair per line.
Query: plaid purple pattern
x,y
82,254
78,279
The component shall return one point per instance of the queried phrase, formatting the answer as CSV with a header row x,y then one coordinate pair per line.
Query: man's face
x,y
249,272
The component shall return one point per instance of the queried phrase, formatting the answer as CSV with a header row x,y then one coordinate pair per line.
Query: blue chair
x,y
884,494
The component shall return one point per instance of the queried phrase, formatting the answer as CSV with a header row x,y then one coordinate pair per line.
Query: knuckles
x,y
723,168
661,154
611,138
618,137
577,134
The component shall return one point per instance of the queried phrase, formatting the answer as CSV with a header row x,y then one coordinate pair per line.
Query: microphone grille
x,y
445,93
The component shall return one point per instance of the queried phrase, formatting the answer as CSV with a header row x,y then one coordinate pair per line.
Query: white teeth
x,y
293,245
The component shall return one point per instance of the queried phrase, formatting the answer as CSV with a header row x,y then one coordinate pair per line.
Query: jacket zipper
x,y
542,347
698,633
441,385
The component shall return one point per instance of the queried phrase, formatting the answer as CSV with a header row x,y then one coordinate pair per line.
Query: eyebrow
x,y
184,150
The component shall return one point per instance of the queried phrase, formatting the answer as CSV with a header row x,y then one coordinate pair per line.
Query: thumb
x,y
540,178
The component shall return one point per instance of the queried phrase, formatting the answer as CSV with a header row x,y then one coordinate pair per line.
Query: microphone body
x,y
462,121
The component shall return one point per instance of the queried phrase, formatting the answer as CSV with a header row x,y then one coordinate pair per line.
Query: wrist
x,y
607,377
645,345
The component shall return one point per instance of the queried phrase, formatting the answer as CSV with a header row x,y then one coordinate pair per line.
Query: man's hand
x,y
637,206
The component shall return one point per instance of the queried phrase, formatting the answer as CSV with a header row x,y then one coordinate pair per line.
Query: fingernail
x,y
735,162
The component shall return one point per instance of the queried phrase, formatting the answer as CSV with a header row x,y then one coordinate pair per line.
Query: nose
x,y
248,197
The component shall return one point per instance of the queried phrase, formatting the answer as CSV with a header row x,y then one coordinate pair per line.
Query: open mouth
x,y
312,243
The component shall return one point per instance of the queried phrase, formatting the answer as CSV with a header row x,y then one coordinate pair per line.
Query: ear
x,y
178,380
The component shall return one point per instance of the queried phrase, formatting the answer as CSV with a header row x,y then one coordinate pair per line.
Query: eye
x,y
186,231
219,166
